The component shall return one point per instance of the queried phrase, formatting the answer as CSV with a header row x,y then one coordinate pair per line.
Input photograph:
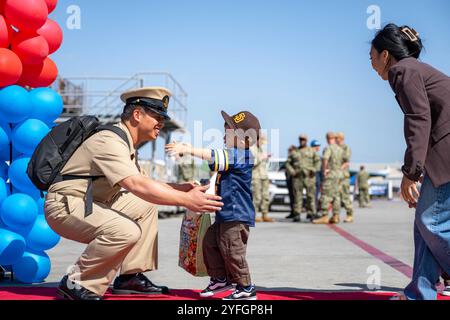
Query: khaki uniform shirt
x,y
260,164
103,154
186,170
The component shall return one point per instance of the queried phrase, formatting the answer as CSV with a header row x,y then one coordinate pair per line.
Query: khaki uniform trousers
x,y
261,196
121,235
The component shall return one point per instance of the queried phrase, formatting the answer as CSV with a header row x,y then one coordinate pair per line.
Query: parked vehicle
x,y
278,191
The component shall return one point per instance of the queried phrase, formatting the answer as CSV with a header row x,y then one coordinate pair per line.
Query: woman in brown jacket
x,y
423,94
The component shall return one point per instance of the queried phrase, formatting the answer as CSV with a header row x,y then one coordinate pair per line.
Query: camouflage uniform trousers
x,y
346,201
364,197
299,184
330,195
261,197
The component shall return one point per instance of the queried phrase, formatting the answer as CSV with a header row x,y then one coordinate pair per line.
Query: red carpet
x,y
36,293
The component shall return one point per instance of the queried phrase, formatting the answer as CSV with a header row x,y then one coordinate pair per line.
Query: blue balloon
x,y
33,267
12,247
27,135
47,104
19,212
15,104
4,170
35,194
41,205
19,177
3,191
5,136
6,156
41,237
8,189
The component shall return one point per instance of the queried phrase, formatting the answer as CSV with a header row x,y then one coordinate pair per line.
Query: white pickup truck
x,y
278,191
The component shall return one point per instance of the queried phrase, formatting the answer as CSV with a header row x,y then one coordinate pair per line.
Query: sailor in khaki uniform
x,y
121,232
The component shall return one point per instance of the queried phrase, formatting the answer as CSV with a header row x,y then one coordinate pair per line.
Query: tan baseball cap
x,y
155,99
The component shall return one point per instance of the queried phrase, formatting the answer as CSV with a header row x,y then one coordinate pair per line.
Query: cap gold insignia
x,y
239,118
165,101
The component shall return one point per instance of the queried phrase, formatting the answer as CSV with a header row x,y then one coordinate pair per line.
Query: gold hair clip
x,y
411,33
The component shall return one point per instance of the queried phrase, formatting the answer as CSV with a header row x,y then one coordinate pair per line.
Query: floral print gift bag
x,y
193,230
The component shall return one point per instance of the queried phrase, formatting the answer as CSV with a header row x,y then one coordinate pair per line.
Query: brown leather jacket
x,y
424,96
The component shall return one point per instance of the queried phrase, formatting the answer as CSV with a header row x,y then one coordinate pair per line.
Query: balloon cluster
x,y
27,38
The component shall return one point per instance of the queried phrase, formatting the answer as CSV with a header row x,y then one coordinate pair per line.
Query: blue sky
x,y
300,66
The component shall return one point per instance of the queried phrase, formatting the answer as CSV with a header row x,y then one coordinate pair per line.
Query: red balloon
x,y
26,15
39,75
52,32
5,32
10,67
31,49
51,5
2,6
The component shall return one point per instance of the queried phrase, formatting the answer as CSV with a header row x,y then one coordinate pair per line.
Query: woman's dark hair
x,y
401,42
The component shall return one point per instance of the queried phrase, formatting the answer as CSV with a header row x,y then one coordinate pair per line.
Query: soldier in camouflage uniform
x,y
316,147
344,189
290,187
302,165
310,164
363,186
292,171
333,157
260,181
186,169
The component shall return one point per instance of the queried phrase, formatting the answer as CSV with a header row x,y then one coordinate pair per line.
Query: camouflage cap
x,y
303,137
331,135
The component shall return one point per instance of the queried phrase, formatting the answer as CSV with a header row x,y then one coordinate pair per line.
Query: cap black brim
x,y
164,114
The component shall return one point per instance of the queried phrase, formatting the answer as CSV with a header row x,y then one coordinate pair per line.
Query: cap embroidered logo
x,y
239,118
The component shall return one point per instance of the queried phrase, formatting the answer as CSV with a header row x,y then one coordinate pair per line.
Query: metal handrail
x,y
78,94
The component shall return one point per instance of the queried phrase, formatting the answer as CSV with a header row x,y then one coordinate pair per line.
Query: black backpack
x,y
57,148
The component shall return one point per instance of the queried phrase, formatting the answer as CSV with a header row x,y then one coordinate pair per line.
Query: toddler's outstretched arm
x,y
181,149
